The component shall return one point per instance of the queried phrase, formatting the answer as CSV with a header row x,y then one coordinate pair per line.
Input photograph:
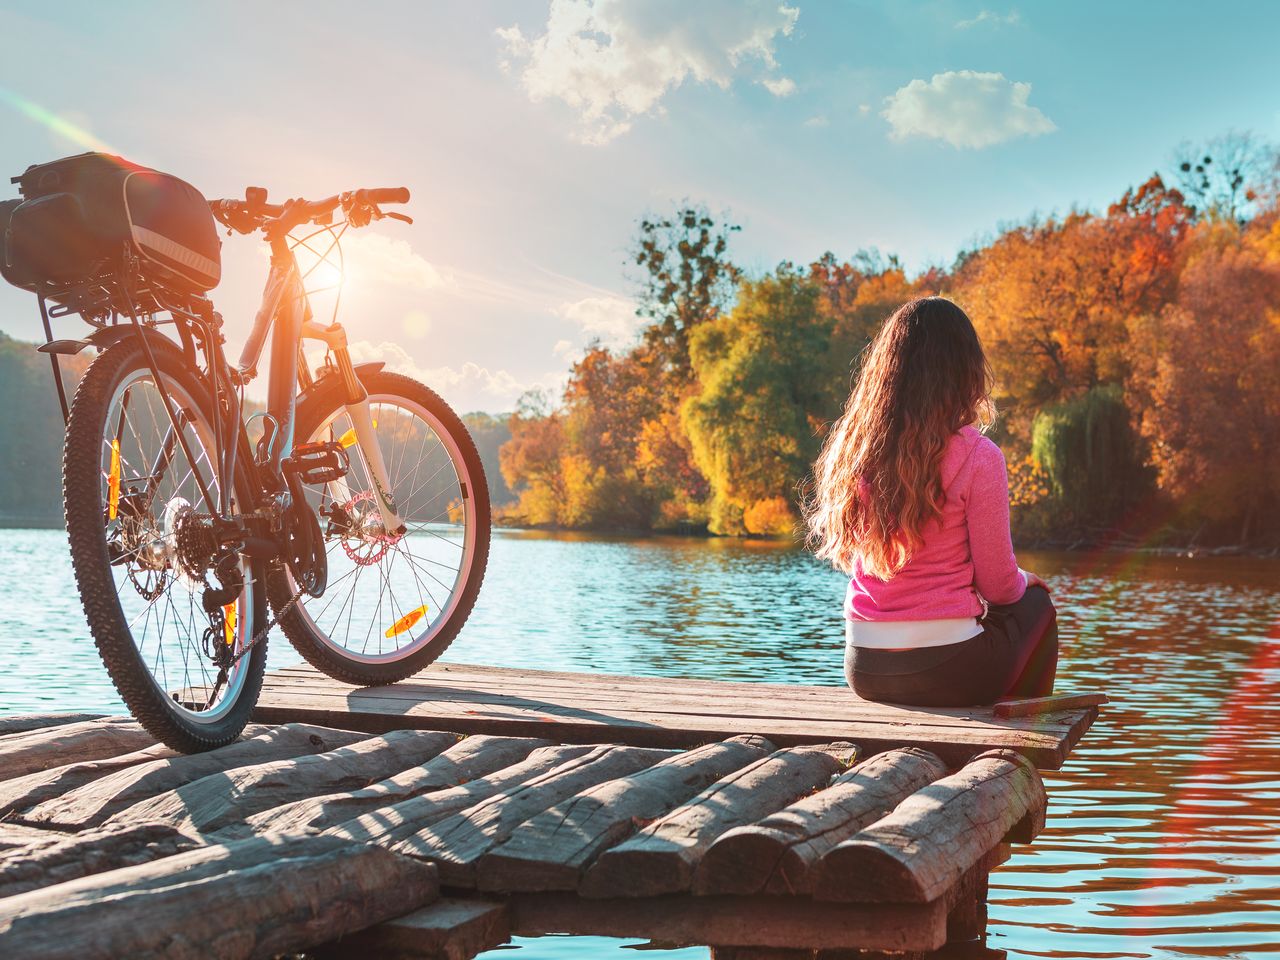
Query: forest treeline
x,y
1136,352
31,436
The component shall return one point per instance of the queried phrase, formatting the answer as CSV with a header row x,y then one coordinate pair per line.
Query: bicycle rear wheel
x,y
393,603
135,512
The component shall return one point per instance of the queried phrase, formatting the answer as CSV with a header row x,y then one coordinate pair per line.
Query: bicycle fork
x,y
357,407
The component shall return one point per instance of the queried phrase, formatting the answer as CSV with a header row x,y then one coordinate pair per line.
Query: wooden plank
x,y
932,838
35,788
1035,706
220,799
779,853
251,898
662,857
551,851
24,753
63,857
473,757
594,692
390,825
456,843
92,804
449,929
369,710
734,921
26,722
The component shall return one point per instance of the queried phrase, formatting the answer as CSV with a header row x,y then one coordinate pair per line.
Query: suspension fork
x,y
357,406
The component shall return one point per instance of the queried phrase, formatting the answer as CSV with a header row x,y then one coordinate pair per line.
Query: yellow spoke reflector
x,y
229,623
406,622
113,482
348,439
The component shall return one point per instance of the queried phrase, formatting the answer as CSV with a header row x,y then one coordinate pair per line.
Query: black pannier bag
x,y
81,216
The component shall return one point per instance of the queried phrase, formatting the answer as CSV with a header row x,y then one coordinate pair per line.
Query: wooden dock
x,y
439,817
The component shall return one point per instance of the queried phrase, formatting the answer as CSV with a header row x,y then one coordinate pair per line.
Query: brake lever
x,y
399,216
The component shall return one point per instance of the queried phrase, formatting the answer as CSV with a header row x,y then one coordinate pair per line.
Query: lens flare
x,y
54,123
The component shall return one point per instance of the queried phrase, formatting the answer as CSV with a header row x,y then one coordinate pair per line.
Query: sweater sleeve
x,y
995,569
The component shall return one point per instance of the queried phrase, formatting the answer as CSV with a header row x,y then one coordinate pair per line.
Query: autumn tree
x,y
1051,300
1210,363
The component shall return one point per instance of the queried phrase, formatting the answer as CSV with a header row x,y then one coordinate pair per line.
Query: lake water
x,y
1163,836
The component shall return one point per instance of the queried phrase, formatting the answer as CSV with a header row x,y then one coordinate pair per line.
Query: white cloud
x,y
611,320
966,109
779,86
378,260
818,121
614,60
988,16
562,348
386,260
468,387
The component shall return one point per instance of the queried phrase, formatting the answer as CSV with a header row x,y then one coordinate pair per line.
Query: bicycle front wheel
x,y
393,603
136,494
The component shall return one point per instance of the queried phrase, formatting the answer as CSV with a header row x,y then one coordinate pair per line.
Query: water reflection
x,y
1163,837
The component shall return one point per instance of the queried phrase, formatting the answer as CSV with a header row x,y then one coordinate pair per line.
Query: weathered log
x,y
934,836
456,843
778,854
1033,706
22,793
26,722
461,763
35,788
662,857
389,825
24,753
92,804
62,857
551,851
449,929
219,799
19,835
253,898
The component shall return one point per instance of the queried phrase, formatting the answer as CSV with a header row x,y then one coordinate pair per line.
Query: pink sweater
x,y
966,554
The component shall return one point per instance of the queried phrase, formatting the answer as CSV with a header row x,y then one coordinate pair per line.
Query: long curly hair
x,y
878,480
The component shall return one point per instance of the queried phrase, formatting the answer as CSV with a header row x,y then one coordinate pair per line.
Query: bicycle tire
x,y
313,411
83,506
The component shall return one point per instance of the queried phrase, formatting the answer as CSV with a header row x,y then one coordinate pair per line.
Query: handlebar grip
x,y
384,195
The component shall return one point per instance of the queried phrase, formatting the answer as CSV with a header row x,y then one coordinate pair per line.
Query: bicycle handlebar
x,y
253,212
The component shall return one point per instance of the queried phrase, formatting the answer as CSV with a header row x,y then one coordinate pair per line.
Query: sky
x,y
533,136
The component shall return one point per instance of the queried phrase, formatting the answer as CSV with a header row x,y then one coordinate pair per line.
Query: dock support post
x,y
967,920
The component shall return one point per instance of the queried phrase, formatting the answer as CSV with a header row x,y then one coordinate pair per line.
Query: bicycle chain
x,y
271,622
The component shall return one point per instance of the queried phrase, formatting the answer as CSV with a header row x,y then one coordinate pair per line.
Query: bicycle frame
x,y
286,314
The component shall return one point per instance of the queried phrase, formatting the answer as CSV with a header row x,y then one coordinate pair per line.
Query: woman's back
x,y
965,555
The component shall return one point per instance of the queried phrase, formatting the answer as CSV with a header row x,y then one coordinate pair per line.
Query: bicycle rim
x,y
389,597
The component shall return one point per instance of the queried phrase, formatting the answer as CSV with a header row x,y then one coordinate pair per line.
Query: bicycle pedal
x,y
320,462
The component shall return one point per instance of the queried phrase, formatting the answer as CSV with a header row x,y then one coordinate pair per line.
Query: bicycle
x,y
187,521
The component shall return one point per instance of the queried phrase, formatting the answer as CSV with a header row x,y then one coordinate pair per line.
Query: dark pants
x,y
1016,655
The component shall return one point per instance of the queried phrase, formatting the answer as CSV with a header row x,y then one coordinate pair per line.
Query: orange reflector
x,y
406,622
229,623
113,482
348,439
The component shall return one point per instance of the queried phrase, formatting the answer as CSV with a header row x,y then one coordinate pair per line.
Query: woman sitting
x,y
913,501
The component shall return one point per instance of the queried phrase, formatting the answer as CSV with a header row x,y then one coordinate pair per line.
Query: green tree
x,y
1092,457
760,371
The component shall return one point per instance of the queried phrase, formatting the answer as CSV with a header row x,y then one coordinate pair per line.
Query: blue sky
x,y
533,135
